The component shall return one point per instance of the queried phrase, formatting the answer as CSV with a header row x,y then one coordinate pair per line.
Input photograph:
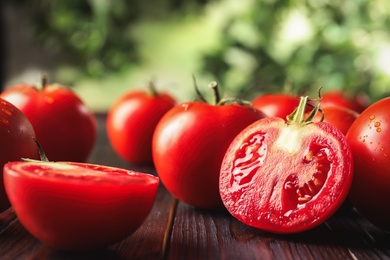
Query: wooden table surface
x,y
175,230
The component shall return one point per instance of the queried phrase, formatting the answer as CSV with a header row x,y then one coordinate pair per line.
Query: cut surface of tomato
x,y
78,206
286,178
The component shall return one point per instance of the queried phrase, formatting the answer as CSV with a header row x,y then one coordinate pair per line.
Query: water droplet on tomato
x,y
8,112
372,117
378,129
377,124
4,121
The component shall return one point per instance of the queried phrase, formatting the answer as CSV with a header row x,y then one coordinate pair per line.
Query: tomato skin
x,y
369,138
272,176
77,206
131,122
338,116
16,138
188,146
276,105
64,126
338,98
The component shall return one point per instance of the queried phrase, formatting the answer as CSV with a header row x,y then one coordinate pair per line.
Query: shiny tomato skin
x,y
64,126
131,122
16,139
188,146
276,105
338,116
369,138
272,176
76,206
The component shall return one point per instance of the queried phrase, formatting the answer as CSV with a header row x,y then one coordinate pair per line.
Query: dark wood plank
x,y
202,234
362,239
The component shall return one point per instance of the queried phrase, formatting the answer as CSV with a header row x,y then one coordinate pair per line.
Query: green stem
x,y
42,154
214,86
152,89
43,80
198,93
298,116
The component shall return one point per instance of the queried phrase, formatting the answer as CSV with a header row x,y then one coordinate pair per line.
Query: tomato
x,y
278,105
369,138
63,125
286,177
78,206
131,122
340,117
188,146
338,98
16,139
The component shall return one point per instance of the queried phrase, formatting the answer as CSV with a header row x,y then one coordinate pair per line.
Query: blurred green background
x,y
104,48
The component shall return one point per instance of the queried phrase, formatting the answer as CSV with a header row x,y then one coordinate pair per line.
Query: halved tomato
x,y
286,177
78,206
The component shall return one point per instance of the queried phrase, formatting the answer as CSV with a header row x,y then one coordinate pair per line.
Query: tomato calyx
x,y
298,115
218,101
151,89
43,81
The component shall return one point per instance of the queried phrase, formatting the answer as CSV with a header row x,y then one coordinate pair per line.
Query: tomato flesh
x,y
78,206
286,178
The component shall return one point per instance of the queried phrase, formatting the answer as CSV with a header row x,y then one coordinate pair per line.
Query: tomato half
x,y
286,177
78,206
131,122
369,138
63,124
16,139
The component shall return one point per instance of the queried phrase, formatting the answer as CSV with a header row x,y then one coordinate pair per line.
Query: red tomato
x,y
63,125
369,138
276,105
338,98
16,139
131,122
340,117
188,146
78,206
286,177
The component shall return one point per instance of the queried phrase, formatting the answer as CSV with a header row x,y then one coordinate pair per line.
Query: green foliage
x,y
97,35
308,44
266,46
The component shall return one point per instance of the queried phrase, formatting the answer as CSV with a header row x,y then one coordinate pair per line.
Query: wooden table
x,y
175,230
